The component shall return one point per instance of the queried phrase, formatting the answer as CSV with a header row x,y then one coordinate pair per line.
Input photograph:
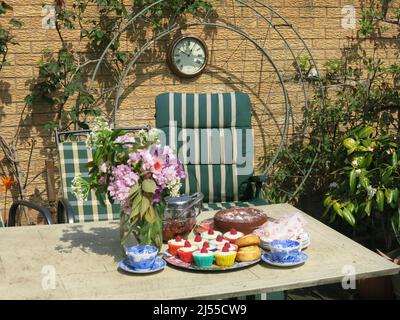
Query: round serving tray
x,y
191,266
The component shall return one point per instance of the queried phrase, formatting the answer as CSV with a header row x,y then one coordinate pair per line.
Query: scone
x,y
248,240
249,253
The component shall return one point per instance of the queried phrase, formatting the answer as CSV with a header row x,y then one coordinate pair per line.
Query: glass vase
x,y
142,232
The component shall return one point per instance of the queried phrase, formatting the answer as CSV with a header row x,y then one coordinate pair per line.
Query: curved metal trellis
x,y
273,20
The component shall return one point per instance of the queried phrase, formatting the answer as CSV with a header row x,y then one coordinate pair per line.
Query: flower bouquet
x,y
135,171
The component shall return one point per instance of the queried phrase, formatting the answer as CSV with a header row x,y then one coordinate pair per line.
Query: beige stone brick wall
x,y
234,64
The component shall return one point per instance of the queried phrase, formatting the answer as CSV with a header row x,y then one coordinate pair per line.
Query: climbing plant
x,y
360,90
62,81
6,37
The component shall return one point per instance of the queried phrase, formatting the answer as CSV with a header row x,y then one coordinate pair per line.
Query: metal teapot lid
x,y
178,202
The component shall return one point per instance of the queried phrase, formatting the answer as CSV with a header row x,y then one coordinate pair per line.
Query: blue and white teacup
x,y
284,250
142,257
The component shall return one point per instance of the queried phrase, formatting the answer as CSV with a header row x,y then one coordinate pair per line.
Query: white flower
x,y
80,188
358,171
153,135
333,185
371,191
354,163
174,187
103,167
99,125
370,149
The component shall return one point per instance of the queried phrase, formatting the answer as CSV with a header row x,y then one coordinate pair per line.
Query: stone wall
x,y
235,64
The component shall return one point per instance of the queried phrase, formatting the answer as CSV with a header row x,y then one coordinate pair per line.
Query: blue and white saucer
x,y
300,259
158,265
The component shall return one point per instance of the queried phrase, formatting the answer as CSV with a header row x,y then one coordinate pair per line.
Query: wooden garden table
x,y
84,259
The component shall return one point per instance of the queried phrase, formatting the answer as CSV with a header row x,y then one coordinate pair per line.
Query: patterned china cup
x,y
142,257
285,250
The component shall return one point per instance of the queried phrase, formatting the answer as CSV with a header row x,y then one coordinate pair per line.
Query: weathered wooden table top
x,y
84,259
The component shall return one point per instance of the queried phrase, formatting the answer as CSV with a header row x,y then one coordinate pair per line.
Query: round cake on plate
x,y
245,220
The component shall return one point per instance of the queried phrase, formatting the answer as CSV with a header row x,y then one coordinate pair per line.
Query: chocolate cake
x,y
245,220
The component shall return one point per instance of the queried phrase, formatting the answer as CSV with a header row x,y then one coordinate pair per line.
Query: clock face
x,y
188,56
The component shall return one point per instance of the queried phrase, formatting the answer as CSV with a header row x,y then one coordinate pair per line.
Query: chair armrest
x,y
65,212
13,211
258,180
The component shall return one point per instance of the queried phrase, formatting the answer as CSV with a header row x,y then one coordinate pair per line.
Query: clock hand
x,y
184,52
191,51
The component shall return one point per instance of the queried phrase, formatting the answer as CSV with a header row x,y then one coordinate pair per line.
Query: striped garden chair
x,y
73,158
213,137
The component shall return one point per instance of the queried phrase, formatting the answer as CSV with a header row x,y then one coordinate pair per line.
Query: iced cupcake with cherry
x,y
233,235
225,257
198,241
209,246
218,242
186,252
203,258
210,234
231,246
175,244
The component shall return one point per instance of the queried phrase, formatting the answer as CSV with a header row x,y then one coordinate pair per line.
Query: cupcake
x,y
210,235
175,244
219,242
225,257
209,246
231,246
203,258
233,235
186,253
198,241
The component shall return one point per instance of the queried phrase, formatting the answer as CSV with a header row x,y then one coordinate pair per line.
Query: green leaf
x,y
367,208
149,186
394,159
365,132
353,181
337,209
150,215
351,207
348,216
389,193
16,23
380,200
350,144
364,181
145,204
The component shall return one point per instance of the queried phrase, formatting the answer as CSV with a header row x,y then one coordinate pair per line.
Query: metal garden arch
x,y
293,46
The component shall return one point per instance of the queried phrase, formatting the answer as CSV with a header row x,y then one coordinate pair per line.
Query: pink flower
x,y
122,180
103,167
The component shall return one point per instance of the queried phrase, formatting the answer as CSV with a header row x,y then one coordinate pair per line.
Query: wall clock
x,y
187,56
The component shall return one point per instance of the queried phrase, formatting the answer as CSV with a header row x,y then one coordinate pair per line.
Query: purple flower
x,y
122,180
126,140
102,180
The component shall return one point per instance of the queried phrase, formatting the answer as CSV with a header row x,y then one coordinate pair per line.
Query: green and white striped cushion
x,y
73,158
217,125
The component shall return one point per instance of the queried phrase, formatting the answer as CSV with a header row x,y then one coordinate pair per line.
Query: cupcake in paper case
x,y
198,241
175,244
186,253
225,257
209,246
219,242
203,258
210,235
231,246
233,235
